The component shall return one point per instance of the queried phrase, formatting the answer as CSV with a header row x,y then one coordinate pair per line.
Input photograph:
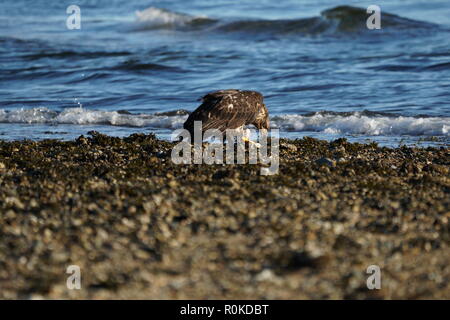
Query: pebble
x,y
137,224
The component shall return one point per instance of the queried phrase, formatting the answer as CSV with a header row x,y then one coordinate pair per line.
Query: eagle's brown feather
x,y
229,109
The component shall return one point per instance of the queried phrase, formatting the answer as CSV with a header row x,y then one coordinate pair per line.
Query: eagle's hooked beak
x,y
267,124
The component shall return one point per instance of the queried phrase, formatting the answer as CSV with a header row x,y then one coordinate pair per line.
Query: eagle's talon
x,y
247,140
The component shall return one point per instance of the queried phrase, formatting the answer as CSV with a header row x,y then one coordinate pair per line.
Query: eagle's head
x,y
262,119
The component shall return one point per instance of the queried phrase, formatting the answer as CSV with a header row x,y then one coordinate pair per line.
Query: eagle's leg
x,y
258,145
246,138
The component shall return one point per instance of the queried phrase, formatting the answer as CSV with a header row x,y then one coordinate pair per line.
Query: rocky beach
x,y
142,227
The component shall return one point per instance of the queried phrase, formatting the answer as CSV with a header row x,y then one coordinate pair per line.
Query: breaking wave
x,y
345,123
341,19
155,18
360,123
83,116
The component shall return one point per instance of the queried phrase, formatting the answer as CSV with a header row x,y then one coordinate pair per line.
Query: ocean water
x,y
140,66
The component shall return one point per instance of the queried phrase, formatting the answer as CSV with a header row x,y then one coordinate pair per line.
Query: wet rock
x,y
293,260
326,162
265,275
288,146
344,242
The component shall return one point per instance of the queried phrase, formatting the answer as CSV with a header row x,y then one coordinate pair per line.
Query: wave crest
x,y
338,20
83,116
156,18
363,124
345,123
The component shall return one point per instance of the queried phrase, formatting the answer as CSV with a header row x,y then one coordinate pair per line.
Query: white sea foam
x,y
355,123
83,116
155,17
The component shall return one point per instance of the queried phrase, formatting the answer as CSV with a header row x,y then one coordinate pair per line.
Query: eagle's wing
x,y
226,109
220,94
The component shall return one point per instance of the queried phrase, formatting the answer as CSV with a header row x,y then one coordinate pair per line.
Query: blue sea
x,y
140,66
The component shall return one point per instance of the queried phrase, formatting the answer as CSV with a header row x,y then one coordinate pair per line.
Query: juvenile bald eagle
x,y
229,109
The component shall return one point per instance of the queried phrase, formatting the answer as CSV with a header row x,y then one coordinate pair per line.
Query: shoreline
x,y
141,227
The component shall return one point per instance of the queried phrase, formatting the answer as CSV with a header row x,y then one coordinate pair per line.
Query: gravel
x,y
142,227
